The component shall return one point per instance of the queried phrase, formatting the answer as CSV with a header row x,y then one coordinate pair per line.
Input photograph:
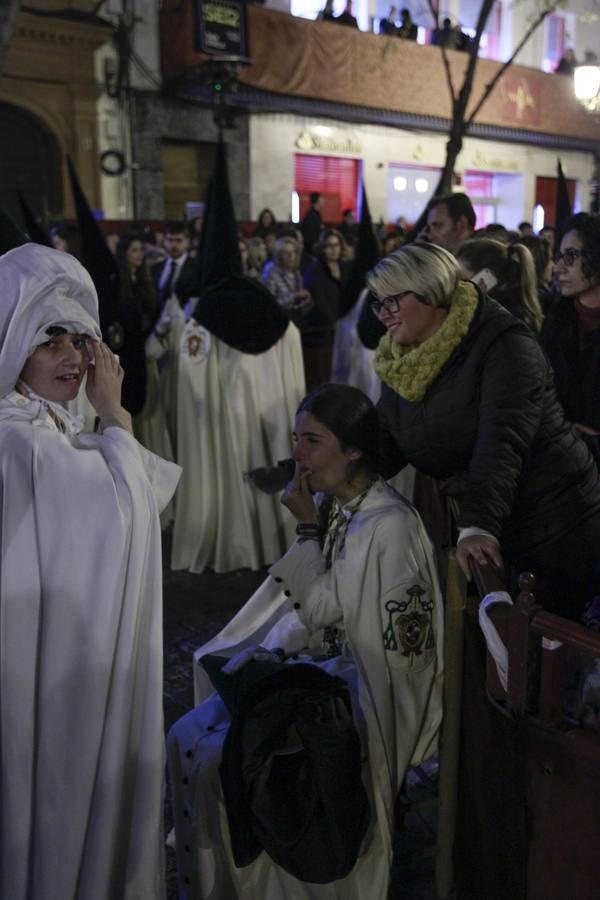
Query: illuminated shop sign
x,y
220,28
308,140
491,163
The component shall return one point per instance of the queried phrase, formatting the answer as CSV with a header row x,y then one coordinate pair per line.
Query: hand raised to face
x,y
104,383
298,498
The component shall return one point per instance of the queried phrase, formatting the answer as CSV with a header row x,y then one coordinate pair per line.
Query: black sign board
x,y
220,27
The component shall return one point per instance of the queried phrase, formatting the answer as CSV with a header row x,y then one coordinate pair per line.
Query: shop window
x,y
478,184
496,197
409,190
480,188
336,178
554,42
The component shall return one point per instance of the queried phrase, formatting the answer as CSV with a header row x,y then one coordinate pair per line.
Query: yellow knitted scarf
x,y
410,370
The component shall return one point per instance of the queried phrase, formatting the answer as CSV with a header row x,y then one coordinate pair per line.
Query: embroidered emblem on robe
x,y
410,623
195,342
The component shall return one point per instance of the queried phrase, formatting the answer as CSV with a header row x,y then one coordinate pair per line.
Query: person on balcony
x,y
448,36
387,25
567,63
347,18
407,28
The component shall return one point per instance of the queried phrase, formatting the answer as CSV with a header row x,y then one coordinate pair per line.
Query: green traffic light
x,y
218,86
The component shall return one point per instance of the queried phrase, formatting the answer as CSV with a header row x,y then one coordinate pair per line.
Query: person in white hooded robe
x,y
81,750
367,585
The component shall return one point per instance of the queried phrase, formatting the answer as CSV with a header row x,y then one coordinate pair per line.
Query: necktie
x,y
165,291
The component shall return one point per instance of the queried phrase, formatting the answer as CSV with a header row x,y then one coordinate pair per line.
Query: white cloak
x,y
80,661
164,352
235,413
397,693
353,362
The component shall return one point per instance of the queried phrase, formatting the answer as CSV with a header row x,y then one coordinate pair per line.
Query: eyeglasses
x,y
391,304
567,256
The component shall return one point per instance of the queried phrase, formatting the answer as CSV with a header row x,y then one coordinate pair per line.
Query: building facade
x,y
320,108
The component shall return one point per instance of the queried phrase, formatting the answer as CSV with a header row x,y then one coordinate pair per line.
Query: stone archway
x,y
30,161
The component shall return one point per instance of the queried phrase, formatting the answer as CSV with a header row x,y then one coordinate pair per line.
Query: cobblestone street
x,y
195,608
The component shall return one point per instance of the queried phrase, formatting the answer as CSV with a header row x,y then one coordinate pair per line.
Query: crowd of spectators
x,y
306,268
486,370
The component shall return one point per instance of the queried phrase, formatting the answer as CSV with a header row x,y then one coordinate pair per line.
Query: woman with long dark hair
x,y
266,223
571,333
325,280
139,309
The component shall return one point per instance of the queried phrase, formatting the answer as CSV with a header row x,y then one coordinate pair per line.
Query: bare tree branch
x,y
484,14
490,87
436,18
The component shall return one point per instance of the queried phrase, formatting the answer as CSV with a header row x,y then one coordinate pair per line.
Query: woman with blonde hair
x,y
507,273
468,398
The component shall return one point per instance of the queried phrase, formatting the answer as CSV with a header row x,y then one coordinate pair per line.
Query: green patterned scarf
x,y
410,370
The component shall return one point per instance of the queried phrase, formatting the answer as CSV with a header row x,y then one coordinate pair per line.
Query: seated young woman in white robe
x,y
365,584
81,744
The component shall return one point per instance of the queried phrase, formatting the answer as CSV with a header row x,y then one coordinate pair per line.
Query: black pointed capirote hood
x,y
10,235
366,256
238,310
36,233
219,250
242,313
563,205
96,256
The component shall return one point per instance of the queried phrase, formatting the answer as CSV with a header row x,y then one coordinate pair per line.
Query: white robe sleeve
x,y
304,578
162,475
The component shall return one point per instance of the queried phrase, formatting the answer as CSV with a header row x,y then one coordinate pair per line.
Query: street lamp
x,y
587,86
587,91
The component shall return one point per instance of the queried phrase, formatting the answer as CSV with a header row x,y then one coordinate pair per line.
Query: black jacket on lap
x,y
491,429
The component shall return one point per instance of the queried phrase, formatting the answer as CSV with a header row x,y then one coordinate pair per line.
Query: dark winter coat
x,y
576,367
326,292
490,427
311,228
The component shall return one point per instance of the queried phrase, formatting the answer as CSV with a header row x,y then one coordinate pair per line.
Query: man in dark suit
x,y
312,223
178,267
